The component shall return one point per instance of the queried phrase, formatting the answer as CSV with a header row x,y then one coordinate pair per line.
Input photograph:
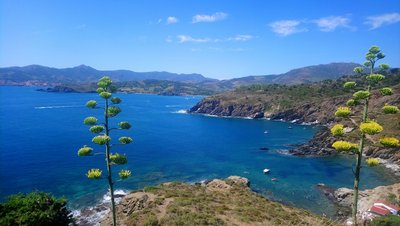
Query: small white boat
x,y
265,171
266,131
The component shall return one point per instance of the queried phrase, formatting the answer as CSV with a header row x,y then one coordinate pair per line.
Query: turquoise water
x,y
40,134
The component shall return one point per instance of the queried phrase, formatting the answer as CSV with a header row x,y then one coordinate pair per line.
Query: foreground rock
x,y
216,202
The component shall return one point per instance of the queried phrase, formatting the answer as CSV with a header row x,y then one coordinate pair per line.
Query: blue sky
x,y
219,39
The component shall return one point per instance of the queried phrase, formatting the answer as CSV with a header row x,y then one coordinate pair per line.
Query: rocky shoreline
x,y
319,113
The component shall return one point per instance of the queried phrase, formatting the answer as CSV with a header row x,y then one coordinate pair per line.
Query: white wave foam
x,y
172,105
94,214
310,123
51,107
180,112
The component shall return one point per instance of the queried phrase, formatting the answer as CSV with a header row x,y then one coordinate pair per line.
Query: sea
x,y
40,134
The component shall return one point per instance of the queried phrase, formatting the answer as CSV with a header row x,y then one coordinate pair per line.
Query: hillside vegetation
x,y
273,99
218,202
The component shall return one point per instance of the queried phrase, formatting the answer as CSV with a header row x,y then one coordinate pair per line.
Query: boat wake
x,y
91,216
51,107
183,111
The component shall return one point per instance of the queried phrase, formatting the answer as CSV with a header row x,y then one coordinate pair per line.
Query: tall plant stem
x,y
358,163
109,177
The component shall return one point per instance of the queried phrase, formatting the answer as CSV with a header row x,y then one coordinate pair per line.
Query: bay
x,y
40,134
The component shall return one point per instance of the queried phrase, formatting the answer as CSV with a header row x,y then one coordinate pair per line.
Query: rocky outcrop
x,y
215,107
319,145
321,112
344,196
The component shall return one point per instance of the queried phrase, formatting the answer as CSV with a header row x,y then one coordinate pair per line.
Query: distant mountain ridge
x,y
302,75
36,75
42,75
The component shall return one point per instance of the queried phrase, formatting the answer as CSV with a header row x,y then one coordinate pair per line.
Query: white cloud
x,y
331,23
172,20
241,38
286,27
381,20
209,18
187,38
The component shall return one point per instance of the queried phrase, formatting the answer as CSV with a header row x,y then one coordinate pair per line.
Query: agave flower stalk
x,y
367,127
103,138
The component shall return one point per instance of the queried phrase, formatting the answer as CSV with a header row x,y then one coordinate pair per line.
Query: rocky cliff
x,y
216,107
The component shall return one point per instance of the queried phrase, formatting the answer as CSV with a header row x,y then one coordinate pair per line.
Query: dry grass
x,y
184,204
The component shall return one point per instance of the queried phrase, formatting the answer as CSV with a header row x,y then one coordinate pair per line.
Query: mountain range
x,y
42,75
82,79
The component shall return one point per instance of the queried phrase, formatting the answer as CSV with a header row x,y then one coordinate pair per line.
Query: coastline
x,y
319,145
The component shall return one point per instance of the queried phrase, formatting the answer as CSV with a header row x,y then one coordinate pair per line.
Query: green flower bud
x,y
361,94
101,140
124,125
358,70
384,66
91,104
375,77
337,130
370,56
115,100
100,90
386,91
96,129
123,174
367,64
389,109
105,95
94,174
342,112
125,140
349,85
85,151
352,102
380,56
90,121
113,111
374,50
104,82
118,159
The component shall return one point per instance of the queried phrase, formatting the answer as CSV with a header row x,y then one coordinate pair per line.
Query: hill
x,y
302,75
46,76
217,202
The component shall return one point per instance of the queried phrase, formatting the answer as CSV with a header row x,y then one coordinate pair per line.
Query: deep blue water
x,y
40,134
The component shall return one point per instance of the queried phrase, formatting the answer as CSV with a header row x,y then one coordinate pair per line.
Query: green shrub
x,y
386,221
36,208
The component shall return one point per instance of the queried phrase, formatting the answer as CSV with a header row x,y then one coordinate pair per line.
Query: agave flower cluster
x,y
105,90
368,127
94,174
